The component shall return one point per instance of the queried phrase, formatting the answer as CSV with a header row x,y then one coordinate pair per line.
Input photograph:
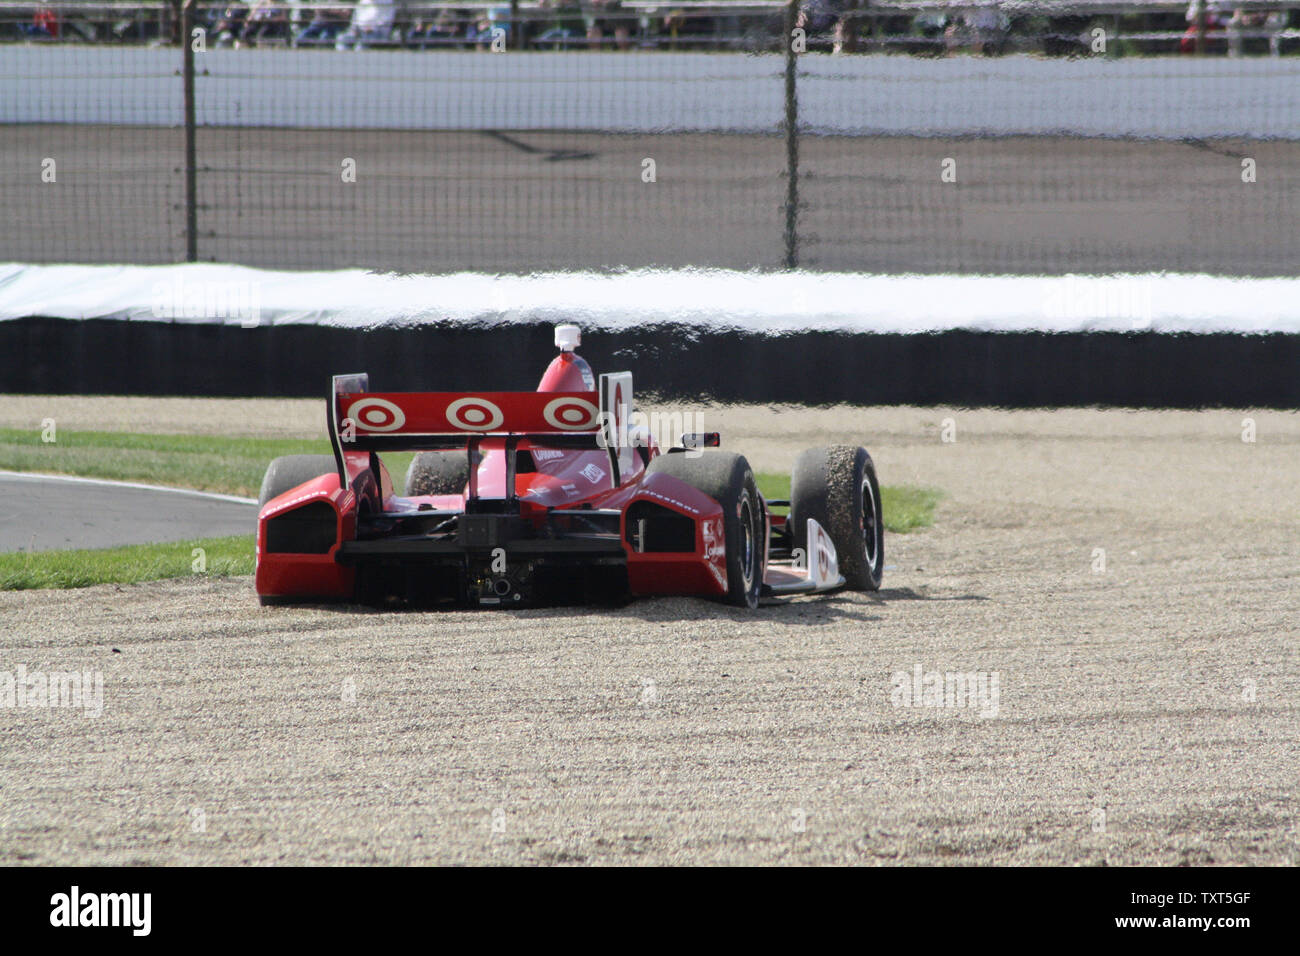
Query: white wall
x,y
1169,97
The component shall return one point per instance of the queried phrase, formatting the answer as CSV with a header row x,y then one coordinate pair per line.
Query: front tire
x,y
728,479
836,486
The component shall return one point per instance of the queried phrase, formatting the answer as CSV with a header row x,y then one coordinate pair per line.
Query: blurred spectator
x,y
443,28
1256,31
981,28
230,24
1207,17
606,16
371,23
492,24
485,29
325,26
44,25
563,27
820,18
684,24
266,20
931,26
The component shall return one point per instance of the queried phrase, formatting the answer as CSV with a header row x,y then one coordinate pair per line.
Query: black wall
x,y
1013,369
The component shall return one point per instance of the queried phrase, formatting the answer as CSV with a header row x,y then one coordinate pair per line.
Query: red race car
x,y
561,495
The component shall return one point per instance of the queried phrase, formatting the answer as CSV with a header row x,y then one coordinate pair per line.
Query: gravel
x,y
1129,577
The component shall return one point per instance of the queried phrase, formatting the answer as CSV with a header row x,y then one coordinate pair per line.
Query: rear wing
x,y
364,421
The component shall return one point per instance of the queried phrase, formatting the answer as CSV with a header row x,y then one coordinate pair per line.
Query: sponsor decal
x,y
593,472
376,415
474,414
571,414
824,566
651,493
715,550
715,546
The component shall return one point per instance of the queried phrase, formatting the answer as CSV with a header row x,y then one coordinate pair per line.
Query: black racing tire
x,y
728,479
290,471
438,473
837,487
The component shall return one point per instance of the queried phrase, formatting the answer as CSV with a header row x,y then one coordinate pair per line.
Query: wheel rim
x,y
870,524
747,543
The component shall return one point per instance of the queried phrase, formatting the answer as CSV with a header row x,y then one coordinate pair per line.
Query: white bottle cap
x,y
567,337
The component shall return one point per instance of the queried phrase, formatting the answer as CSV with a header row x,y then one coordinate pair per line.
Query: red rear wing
x,y
361,420
457,413
359,416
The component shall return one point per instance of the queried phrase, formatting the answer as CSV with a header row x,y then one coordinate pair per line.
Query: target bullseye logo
x,y
474,414
570,414
376,415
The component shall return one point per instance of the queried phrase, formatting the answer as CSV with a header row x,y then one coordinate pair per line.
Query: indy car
x,y
561,495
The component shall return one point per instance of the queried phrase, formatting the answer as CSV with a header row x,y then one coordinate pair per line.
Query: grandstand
x,y
934,27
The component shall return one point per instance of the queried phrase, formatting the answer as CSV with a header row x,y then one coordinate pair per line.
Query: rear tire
x,y
289,471
728,479
438,473
836,486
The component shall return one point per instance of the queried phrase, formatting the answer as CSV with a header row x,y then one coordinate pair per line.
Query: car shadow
x,y
885,595
811,610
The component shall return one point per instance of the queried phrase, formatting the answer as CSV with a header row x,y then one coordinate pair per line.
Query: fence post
x,y
191,176
791,138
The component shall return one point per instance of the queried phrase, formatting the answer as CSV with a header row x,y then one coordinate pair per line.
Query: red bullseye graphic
x,y
474,414
376,415
571,414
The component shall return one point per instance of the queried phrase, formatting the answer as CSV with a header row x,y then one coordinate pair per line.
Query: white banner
x,y
710,299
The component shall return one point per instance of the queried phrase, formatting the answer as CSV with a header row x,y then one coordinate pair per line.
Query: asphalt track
x,y
525,201
41,512
1131,577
